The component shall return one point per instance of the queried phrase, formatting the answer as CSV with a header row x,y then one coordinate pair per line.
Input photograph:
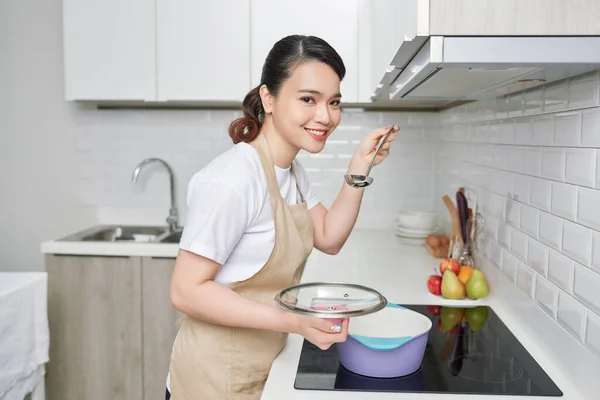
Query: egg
x,y
444,240
433,241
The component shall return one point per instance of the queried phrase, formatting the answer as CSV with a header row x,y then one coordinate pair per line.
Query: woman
x,y
253,220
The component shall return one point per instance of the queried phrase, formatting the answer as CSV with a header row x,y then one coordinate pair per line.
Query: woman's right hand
x,y
321,332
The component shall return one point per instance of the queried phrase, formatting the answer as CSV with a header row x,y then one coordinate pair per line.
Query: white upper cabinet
x,y
203,50
206,51
109,51
335,21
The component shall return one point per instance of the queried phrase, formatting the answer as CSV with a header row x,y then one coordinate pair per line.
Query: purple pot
x,y
346,380
387,344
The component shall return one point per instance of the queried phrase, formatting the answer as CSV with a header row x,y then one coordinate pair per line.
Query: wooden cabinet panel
x,y
159,323
514,17
95,324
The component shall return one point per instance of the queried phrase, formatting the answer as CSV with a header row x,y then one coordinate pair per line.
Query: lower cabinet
x,y
158,325
112,327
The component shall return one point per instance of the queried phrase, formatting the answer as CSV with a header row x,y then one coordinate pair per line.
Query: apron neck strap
x,y
264,152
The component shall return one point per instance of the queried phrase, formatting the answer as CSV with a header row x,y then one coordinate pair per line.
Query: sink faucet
x,y
172,218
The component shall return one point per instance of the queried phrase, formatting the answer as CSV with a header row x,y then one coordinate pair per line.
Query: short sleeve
x,y
305,186
218,216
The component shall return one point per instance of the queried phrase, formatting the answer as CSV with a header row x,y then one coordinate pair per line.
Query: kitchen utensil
x,y
475,226
455,230
330,300
360,181
386,344
456,248
346,380
463,214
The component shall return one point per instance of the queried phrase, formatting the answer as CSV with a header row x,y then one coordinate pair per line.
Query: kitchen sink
x,y
126,233
173,237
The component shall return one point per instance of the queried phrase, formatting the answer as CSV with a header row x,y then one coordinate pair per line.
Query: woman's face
x,y
307,108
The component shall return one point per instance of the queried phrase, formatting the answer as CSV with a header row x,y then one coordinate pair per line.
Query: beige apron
x,y
217,362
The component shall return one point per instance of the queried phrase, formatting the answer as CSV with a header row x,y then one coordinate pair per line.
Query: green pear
x,y
452,287
477,286
450,317
476,317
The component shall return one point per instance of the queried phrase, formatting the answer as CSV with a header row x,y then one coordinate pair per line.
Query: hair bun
x,y
247,128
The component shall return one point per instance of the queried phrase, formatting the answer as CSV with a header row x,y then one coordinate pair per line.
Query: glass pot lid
x,y
327,300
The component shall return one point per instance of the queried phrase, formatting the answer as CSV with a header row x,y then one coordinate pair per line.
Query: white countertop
x,y
400,273
110,248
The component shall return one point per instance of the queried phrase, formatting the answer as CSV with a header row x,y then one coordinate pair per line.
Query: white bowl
x,y
412,234
418,220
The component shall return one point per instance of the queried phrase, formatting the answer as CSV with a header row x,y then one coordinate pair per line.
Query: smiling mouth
x,y
316,132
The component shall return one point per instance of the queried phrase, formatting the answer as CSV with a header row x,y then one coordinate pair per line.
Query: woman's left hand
x,y
365,149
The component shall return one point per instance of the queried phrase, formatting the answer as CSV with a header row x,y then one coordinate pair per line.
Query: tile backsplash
x,y
534,161
115,141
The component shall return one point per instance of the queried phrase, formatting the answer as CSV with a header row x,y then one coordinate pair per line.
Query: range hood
x,y
437,72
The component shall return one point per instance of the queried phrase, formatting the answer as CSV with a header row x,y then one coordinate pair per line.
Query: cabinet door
x,y
203,50
95,323
391,22
159,323
335,21
109,49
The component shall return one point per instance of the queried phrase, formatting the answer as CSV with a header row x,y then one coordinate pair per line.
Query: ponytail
x,y
247,128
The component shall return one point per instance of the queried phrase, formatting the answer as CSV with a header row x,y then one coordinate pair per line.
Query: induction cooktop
x,y
467,353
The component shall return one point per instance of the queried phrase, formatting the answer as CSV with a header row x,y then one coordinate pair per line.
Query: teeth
x,y
316,132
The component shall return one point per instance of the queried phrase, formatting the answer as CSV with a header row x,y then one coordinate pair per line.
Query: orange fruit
x,y
464,273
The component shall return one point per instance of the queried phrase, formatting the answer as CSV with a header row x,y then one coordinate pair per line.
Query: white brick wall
x,y
114,141
534,161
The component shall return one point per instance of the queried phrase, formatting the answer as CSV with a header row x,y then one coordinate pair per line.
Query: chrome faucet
x,y
172,218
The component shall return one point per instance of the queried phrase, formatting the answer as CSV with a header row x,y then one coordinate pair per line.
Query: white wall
x,y
113,142
38,163
534,161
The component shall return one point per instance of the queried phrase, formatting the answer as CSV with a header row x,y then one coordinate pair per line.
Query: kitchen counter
x,y
376,259
399,272
131,249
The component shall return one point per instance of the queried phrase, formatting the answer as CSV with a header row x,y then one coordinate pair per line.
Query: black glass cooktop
x,y
466,353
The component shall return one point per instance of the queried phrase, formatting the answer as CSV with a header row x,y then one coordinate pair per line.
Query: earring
x,y
261,117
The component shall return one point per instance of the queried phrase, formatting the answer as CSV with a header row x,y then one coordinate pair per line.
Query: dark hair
x,y
287,54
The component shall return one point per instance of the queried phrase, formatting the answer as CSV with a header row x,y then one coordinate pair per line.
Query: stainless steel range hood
x,y
440,71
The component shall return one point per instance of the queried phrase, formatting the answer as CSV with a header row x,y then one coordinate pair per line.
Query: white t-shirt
x,y
230,217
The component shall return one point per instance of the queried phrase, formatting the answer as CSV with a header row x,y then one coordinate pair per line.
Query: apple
x,y
434,284
433,310
451,264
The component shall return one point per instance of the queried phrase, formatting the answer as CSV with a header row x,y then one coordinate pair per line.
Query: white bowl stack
x,y
414,227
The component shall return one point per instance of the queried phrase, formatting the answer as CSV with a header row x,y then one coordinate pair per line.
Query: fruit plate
x,y
466,302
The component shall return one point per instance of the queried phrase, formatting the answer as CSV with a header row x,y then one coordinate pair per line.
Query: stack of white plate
x,y
414,227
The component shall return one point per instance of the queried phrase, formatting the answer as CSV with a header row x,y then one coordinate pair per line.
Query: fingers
x,y
325,325
344,332
377,133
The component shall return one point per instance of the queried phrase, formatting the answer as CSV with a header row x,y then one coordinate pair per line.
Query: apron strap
x,y
297,186
262,147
